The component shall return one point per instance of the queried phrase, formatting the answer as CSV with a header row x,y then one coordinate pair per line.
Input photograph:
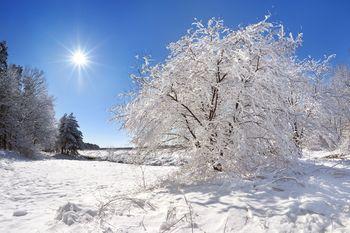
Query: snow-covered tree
x,y
70,138
336,103
230,97
10,89
17,136
4,89
307,102
27,120
38,110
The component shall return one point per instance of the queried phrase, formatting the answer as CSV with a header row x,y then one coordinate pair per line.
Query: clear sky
x,y
38,33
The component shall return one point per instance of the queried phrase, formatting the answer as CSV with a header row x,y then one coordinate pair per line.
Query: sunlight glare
x,y
79,58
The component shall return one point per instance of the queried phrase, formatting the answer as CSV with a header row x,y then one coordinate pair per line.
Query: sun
x,y
81,62
79,58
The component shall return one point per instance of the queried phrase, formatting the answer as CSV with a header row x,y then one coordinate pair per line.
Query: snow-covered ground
x,y
36,189
164,157
100,196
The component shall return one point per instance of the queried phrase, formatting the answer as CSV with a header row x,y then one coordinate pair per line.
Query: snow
x,y
100,196
19,213
312,198
165,157
71,213
41,187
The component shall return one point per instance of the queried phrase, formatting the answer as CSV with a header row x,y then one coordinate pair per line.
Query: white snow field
x,y
100,196
31,192
163,157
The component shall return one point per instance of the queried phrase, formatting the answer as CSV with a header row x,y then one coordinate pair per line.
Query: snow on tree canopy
x,y
27,122
224,96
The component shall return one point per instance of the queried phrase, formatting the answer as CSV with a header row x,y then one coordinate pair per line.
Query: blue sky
x,y
116,31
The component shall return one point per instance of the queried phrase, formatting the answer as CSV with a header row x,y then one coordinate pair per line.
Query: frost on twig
x,y
176,219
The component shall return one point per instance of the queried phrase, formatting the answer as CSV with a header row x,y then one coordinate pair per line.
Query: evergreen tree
x,y
70,138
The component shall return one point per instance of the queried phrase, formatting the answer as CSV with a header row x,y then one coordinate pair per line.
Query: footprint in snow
x,y
19,213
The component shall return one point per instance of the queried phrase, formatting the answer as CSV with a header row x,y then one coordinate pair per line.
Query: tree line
x,y
27,116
